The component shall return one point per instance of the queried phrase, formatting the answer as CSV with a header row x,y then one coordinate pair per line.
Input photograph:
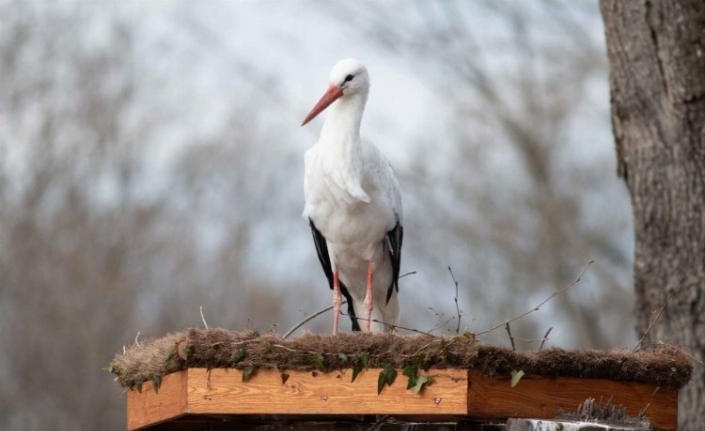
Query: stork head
x,y
350,76
347,78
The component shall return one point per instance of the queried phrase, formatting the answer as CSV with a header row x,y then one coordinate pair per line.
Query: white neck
x,y
341,144
342,125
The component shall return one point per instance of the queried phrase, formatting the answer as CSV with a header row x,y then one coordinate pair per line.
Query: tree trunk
x,y
656,52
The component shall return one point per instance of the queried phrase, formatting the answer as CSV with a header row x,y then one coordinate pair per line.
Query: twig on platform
x,y
545,337
509,332
536,308
457,307
200,308
309,318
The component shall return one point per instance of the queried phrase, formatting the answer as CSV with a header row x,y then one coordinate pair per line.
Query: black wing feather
x,y
394,240
324,257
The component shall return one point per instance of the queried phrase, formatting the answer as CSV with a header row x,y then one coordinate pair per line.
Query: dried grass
x,y
220,348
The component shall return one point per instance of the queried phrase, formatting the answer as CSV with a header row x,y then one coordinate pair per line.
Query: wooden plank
x,y
149,407
542,397
221,391
454,393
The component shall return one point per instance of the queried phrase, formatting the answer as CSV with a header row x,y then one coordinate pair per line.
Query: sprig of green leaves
x,y
386,376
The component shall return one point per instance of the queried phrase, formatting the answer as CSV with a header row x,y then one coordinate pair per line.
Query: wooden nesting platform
x,y
454,395
199,377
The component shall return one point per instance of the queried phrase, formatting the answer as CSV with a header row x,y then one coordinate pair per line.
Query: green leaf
x,y
411,371
247,372
285,377
318,361
421,381
157,382
356,370
365,359
109,368
422,363
343,357
240,355
386,377
138,385
516,376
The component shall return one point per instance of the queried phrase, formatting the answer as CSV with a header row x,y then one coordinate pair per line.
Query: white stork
x,y
353,205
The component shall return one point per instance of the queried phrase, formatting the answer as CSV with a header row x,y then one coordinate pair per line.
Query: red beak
x,y
333,94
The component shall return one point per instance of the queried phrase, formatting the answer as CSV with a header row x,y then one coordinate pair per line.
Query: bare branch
x,y
392,326
457,308
407,273
545,337
318,313
200,308
442,324
509,332
516,337
308,319
553,295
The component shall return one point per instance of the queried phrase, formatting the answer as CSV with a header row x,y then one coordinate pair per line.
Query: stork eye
x,y
348,78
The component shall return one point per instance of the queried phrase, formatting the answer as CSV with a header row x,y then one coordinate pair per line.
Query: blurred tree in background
x,y
658,113
131,193
94,248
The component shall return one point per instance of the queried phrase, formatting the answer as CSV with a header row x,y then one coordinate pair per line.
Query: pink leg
x,y
337,300
368,297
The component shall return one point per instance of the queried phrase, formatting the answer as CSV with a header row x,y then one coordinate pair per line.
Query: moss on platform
x,y
220,348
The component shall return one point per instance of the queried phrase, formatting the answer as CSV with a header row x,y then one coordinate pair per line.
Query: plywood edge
x,y
542,398
150,407
222,391
454,393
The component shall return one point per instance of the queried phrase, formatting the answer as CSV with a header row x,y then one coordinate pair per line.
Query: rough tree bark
x,y
656,52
